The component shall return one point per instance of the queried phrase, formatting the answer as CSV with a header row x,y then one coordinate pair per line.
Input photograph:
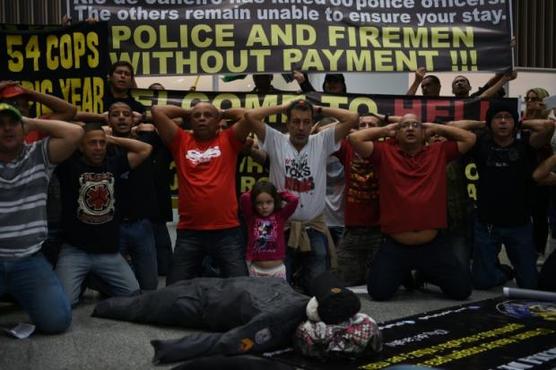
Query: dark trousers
x,y
435,260
192,246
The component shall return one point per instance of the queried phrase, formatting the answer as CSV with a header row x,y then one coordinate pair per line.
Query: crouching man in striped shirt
x,y
25,170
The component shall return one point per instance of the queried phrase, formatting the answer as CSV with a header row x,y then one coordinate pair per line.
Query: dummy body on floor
x,y
248,315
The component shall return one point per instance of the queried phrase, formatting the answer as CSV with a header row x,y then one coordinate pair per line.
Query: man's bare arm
x,y
137,151
463,138
362,140
163,119
64,136
543,173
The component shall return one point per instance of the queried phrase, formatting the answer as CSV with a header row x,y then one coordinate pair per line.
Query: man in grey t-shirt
x,y
25,170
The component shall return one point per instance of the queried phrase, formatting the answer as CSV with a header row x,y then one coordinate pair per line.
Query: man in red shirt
x,y
206,164
412,199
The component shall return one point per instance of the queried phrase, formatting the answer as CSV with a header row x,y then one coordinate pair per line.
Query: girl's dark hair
x,y
264,186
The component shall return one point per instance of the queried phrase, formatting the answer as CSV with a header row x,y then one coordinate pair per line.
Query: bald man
x,y
206,165
412,198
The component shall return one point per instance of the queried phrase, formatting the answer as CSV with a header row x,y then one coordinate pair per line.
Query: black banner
x,y
491,334
168,37
439,110
69,62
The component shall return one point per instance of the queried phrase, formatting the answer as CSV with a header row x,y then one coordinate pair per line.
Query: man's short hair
x,y
121,63
119,103
302,105
335,77
434,78
462,76
92,126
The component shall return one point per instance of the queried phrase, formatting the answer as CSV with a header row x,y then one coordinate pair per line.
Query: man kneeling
x,y
412,197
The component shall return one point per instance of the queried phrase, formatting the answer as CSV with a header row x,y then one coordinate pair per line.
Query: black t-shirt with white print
x,y
89,203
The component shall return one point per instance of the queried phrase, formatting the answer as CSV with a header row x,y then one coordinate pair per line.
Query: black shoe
x,y
508,271
413,280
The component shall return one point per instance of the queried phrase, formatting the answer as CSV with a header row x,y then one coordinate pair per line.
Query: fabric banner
x,y
189,37
492,334
439,110
69,62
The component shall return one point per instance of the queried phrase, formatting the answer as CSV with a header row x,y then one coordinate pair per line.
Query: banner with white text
x,y
190,37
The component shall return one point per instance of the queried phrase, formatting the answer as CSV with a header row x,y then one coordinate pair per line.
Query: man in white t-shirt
x,y
298,164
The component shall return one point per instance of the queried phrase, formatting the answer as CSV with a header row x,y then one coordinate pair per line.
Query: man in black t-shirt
x,y
118,89
120,83
505,164
139,203
90,225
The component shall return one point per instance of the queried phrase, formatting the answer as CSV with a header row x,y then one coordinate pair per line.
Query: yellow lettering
x,y
257,36
138,36
52,60
291,57
234,100
391,37
15,63
78,48
164,43
463,37
225,35
119,34
440,37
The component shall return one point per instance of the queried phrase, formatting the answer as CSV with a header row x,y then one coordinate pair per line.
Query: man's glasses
x,y
503,116
406,125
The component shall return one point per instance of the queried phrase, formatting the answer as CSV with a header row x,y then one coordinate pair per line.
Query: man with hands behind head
x,y
25,170
412,199
206,161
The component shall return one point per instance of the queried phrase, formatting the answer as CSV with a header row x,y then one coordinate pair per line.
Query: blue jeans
x,y
520,248
137,240
223,246
310,264
33,284
74,264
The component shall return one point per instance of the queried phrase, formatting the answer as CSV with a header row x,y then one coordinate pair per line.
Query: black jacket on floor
x,y
247,315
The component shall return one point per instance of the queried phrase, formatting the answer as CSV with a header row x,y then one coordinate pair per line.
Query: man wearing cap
x,y
20,97
505,164
25,170
412,201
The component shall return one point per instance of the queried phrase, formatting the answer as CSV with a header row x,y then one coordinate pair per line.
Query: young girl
x,y
265,216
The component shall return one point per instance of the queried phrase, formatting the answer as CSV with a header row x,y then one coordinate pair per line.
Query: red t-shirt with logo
x,y
413,193
206,180
361,189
